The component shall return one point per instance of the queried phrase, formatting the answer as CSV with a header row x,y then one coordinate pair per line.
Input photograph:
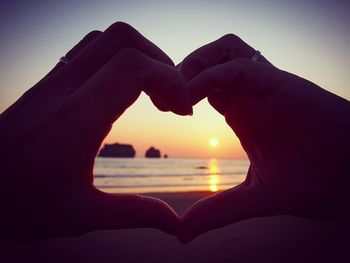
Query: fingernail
x,y
191,113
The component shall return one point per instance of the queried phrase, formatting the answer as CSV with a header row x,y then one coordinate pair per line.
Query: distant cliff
x,y
117,150
152,153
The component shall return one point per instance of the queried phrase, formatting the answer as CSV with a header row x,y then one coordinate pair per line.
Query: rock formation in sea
x,y
117,150
152,153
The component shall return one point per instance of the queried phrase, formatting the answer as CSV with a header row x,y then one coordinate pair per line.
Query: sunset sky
x,y
308,38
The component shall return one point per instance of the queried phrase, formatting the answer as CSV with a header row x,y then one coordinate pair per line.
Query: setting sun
x,y
214,142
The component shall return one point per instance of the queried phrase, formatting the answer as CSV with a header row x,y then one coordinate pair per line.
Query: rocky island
x,y
117,150
152,153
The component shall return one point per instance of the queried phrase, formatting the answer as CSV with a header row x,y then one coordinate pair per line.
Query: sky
x,y
307,38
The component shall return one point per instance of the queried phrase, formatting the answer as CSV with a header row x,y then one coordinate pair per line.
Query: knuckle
x,y
122,34
92,35
230,38
121,28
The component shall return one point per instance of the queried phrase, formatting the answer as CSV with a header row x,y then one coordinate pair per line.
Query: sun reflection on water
x,y
213,175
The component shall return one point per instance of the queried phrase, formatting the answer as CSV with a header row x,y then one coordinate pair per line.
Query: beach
x,y
150,175
274,239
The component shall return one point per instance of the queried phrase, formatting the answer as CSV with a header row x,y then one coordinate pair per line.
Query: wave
x,y
165,175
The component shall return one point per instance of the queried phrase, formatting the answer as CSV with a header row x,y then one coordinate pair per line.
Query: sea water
x,y
144,175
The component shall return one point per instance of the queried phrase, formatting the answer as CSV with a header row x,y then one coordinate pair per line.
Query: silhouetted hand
x,y
51,135
296,136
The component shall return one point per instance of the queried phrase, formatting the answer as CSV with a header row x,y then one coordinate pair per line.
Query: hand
x,y
49,139
295,135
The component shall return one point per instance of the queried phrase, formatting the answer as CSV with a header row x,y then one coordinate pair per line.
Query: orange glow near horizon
x,y
176,136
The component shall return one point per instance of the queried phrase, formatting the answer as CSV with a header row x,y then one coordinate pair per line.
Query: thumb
x,y
119,211
239,203
222,81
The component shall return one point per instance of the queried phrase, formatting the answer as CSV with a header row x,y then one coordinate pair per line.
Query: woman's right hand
x,y
295,135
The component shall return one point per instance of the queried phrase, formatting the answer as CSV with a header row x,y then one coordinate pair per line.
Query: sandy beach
x,y
275,239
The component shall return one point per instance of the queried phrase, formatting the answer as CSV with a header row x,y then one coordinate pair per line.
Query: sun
x,y
213,142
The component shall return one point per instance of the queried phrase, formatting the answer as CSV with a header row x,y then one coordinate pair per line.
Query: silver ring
x,y
64,60
256,56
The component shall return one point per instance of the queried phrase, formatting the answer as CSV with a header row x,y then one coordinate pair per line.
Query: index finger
x,y
224,49
117,37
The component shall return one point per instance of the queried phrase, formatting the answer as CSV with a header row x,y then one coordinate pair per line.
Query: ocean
x,y
143,175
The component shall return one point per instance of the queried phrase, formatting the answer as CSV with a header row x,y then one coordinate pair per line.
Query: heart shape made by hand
x,y
51,135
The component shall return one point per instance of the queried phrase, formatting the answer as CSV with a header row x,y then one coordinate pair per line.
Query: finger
x,y
238,76
76,50
220,78
239,203
224,49
158,102
175,97
119,211
118,36
106,95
